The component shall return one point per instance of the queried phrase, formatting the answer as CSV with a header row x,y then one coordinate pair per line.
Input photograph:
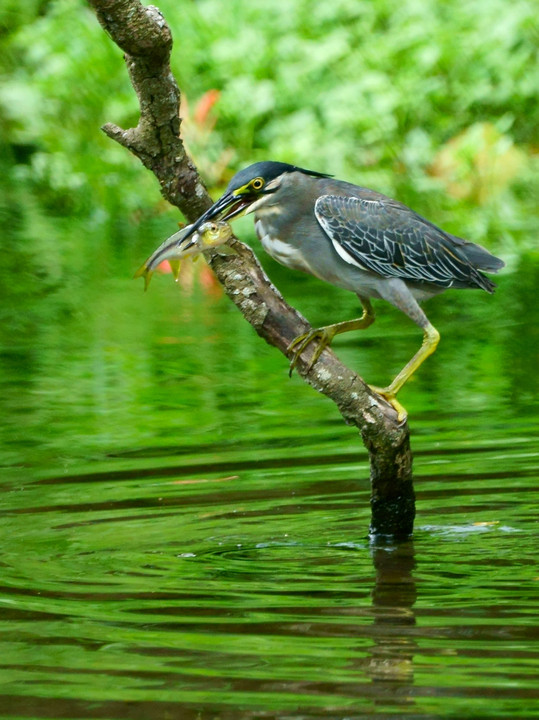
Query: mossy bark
x,y
142,33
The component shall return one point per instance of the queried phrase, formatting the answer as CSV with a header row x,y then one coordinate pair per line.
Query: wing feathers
x,y
387,238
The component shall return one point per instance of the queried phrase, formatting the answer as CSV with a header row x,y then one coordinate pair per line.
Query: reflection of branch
x,y
393,599
146,39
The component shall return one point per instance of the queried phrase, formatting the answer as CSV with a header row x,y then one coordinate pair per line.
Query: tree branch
x,y
147,41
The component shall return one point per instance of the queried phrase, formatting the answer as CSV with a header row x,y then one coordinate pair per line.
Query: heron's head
x,y
247,187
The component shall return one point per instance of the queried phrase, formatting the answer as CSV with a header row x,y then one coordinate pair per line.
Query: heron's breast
x,y
280,250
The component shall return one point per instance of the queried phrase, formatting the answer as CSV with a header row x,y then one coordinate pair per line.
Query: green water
x,y
184,529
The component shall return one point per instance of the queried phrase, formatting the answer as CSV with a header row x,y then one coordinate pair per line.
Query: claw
x,y
391,398
324,339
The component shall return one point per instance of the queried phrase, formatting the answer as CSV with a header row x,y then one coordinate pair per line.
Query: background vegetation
x,y
432,102
183,526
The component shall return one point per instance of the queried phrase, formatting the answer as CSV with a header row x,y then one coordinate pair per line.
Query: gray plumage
x,y
356,239
388,238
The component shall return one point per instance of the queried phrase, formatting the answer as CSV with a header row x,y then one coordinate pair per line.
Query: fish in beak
x,y
188,242
230,205
244,192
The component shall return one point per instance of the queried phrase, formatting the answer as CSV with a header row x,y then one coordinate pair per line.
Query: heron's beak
x,y
227,207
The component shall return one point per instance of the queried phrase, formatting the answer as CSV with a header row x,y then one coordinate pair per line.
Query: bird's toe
x,y
299,344
391,398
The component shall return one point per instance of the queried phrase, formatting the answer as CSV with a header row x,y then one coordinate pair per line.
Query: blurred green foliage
x,y
431,102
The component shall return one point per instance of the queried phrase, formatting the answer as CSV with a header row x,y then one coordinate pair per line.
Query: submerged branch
x,y
147,41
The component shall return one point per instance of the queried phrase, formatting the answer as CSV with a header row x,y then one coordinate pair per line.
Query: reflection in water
x,y
207,598
393,598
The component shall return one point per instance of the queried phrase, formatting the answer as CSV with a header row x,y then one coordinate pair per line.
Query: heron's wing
x,y
385,237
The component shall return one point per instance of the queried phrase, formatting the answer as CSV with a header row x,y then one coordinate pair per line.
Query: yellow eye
x,y
257,183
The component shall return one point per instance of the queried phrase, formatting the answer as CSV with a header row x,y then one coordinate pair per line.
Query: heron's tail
x,y
479,256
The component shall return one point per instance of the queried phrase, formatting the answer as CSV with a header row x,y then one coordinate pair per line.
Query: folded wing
x,y
387,238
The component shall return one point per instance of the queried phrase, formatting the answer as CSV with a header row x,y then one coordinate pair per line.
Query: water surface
x,y
184,529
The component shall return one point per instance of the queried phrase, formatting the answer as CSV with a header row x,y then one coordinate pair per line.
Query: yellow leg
x,y
431,337
325,335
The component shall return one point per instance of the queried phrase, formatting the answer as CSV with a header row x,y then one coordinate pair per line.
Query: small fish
x,y
210,234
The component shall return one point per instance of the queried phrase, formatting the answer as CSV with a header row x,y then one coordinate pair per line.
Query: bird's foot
x,y
324,335
391,398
